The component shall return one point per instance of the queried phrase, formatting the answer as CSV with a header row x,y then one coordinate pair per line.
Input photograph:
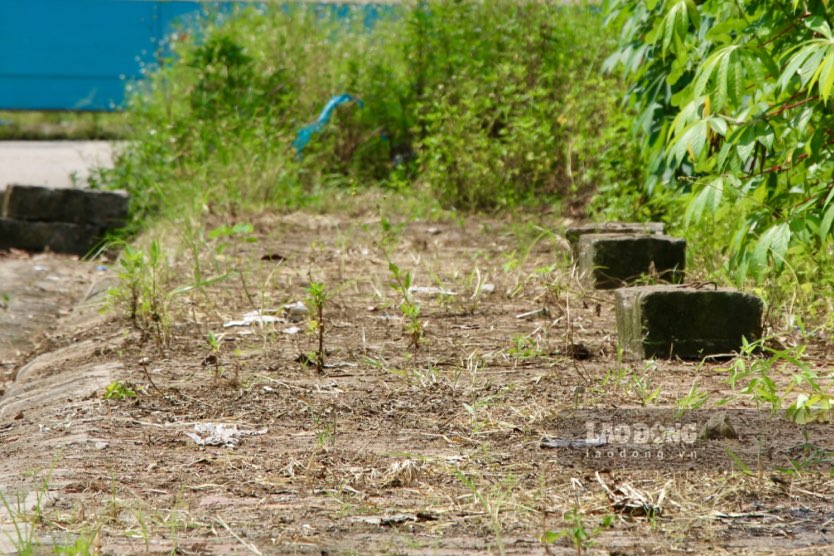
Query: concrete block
x,y
685,322
77,206
609,261
573,234
58,237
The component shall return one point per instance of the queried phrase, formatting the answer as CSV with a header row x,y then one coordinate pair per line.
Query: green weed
x,y
472,105
580,536
316,298
118,390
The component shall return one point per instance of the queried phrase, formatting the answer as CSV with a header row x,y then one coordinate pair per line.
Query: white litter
x,y
253,317
218,434
296,312
291,330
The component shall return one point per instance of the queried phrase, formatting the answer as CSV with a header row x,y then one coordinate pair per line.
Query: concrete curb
x,y
72,221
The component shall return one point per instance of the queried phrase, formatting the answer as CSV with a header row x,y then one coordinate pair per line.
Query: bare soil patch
x,y
393,450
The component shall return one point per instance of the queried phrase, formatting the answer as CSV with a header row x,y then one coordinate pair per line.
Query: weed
x,y
143,279
492,501
475,409
524,347
213,359
693,399
401,282
316,298
83,546
26,513
641,387
774,376
131,274
580,536
118,390
325,429
24,531
445,114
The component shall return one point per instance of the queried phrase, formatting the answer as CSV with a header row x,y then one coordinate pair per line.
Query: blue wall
x,y
77,54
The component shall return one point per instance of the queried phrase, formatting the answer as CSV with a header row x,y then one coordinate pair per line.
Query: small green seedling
x,y
412,325
118,390
580,537
317,297
213,357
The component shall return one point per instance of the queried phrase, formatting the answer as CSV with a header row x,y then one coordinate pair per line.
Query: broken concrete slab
x,y
608,261
685,321
77,206
573,233
58,237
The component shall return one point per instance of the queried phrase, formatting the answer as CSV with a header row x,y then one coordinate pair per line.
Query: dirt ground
x,y
392,449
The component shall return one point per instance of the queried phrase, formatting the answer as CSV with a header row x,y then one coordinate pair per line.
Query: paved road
x,y
52,163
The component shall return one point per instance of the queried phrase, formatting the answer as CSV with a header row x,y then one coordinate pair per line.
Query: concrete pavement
x,y
52,163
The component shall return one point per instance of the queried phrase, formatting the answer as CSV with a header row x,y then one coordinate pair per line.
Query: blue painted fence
x,y
79,54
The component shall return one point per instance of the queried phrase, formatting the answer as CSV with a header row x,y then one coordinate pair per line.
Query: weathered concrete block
x,y
58,237
685,322
78,206
609,261
573,234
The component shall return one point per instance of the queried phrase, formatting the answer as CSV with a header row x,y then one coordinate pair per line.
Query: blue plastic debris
x,y
305,134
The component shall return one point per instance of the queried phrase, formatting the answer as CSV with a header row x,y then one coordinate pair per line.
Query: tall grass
x,y
475,105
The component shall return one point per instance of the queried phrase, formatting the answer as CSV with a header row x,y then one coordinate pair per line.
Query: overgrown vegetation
x,y
734,120
468,105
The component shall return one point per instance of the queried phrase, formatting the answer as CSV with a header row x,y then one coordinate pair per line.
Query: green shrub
x,y
479,105
734,118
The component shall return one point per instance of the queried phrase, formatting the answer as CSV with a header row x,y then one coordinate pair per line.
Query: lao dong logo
x,y
642,433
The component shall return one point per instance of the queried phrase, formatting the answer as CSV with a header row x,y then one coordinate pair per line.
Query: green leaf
x,y
745,145
765,135
793,66
706,201
774,242
826,75
691,142
719,126
820,25
692,12
809,71
724,29
825,225
767,61
705,73
676,24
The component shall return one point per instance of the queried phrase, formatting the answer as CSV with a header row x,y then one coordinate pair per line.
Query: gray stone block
x,y
77,206
609,261
573,233
685,322
58,237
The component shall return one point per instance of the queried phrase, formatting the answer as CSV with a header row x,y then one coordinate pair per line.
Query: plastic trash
x,y
305,134
218,434
296,311
253,317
